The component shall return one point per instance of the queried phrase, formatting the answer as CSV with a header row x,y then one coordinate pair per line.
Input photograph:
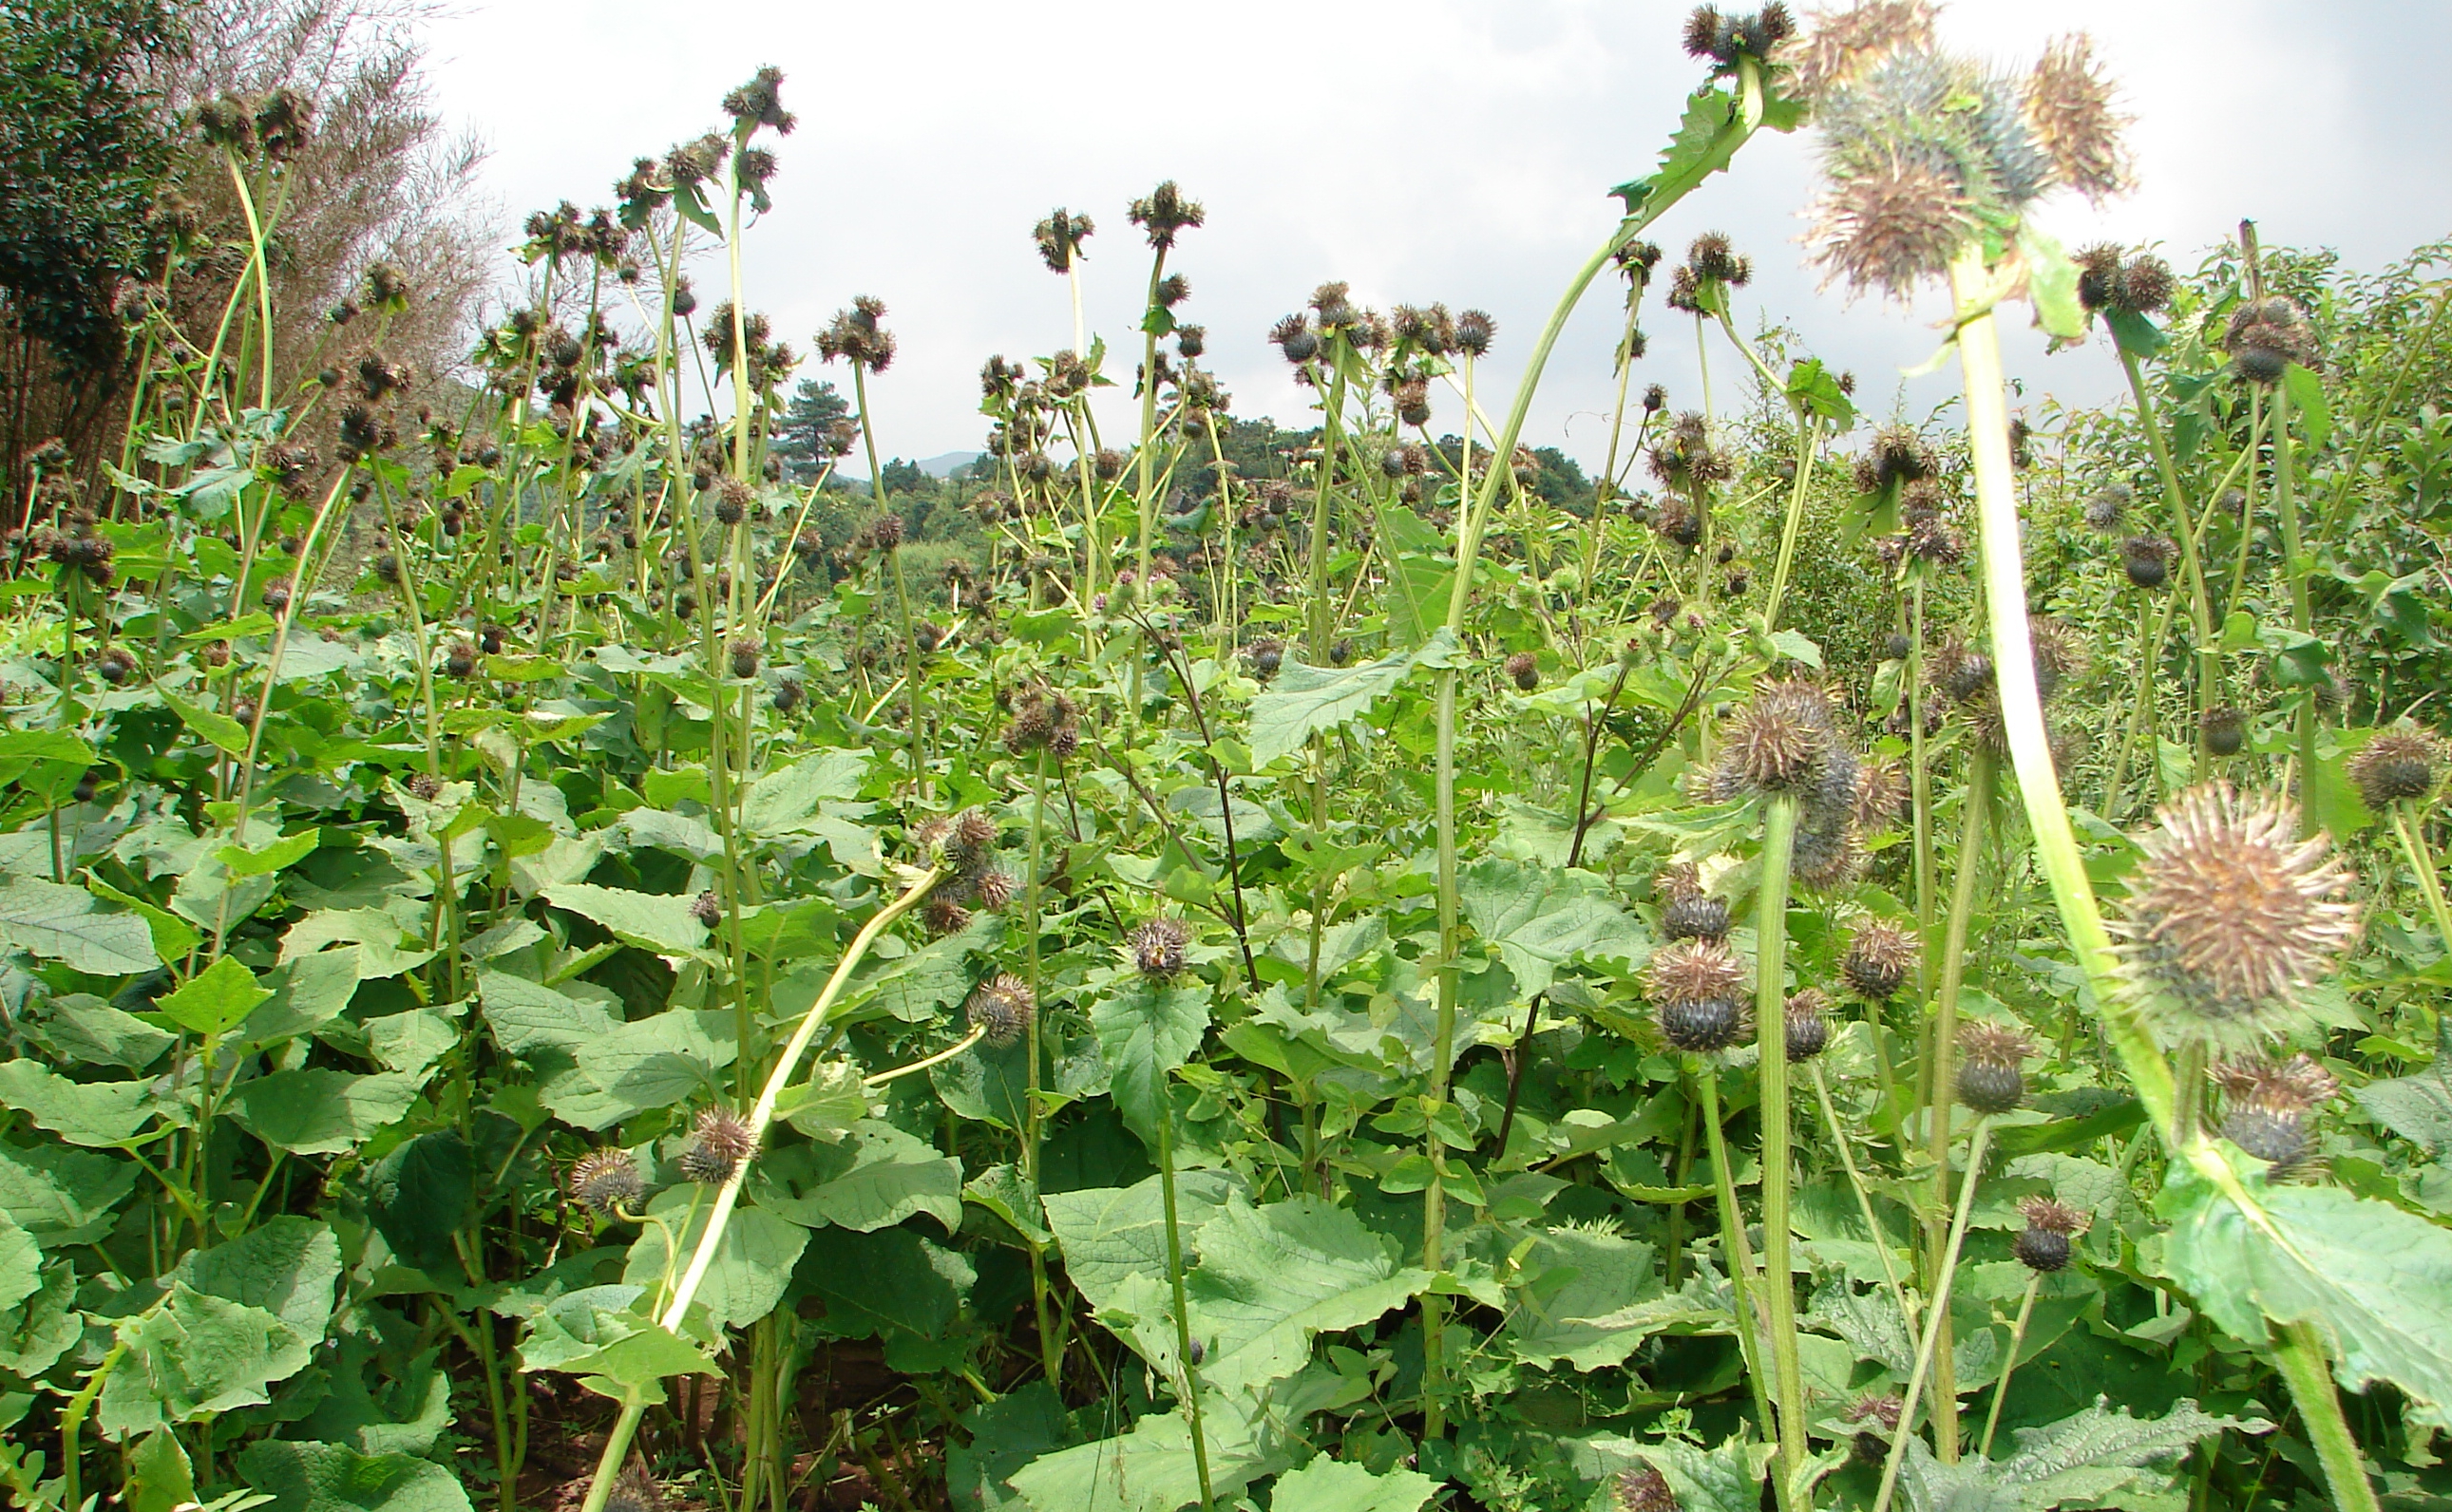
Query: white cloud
x,y
1433,149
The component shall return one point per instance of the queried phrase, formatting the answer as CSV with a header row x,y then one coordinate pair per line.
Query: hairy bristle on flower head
x,y
1892,225
2069,105
1694,971
1837,45
1003,1008
1878,956
2050,1216
2230,916
720,1141
1158,945
1994,1044
2396,765
2295,1085
604,1181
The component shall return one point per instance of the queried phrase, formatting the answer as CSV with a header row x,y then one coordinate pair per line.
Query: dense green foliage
x,y
1337,969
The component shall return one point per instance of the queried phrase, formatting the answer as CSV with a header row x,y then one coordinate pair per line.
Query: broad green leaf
x,y
1270,1278
1796,646
214,1000
1576,1278
1005,1435
2306,392
278,857
96,1113
196,1355
2096,1459
63,1196
334,1478
1145,1031
653,921
2418,1107
1540,917
874,1177
892,1283
173,936
62,923
592,1333
318,1111
34,1336
1725,1477
1302,700
1340,1485
420,1195
647,1063
2375,1281
753,1261
527,1017
781,799
220,729
21,1264
1150,1470
405,1410
1110,1234
286,1265
681,834
85,1030
159,1476
307,993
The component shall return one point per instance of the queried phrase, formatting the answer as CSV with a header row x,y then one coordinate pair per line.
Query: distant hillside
x,y
942,466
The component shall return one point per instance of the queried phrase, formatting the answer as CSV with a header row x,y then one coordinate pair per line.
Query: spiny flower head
x,y
1157,946
1781,741
2268,1104
604,1181
1163,212
2265,336
1881,794
720,1141
2043,1246
1990,1079
1001,1008
1809,1023
760,102
1880,955
2230,916
1059,238
2107,508
2395,765
1695,916
1694,971
1686,458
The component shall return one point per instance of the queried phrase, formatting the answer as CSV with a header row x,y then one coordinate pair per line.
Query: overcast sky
x,y
1421,150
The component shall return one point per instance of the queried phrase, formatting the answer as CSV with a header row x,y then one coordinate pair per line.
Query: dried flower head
x,y
1164,212
1809,1023
2267,1106
943,914
1881,794
2109,508
605,1181
1524,670
1059,238
2265,336
2147,560
1841,44
2229,916
1157,946
1694,971
1990,1079
2396,765
720,1141
1878,956
1781,741
1695,916
2226,730
2068,106
1001,1008
2043,1245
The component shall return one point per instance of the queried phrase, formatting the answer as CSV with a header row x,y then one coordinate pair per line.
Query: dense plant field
x,y
558,954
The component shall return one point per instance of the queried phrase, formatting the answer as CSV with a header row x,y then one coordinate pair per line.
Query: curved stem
x,y
939,1059
1944,1407
1734,1252
2001,1385
2299,1354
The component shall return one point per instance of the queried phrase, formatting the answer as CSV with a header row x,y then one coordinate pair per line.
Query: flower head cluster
x,y
1001,1008
2230,916
1923,150
855,335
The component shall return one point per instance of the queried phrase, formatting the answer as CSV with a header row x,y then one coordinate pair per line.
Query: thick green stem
x,y
617,1444
2299,1354
1735,1254
2182,526
1174,1280
2412,830
1770,1027
1935,1327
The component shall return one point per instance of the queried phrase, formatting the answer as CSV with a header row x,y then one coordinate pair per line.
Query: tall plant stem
x,y
2299,1353
2009,1364
1175,1279
2295,571
1840,1139
902,591
1663,191
1919,785
1941,1067
2412,830
1771,1037
1935,1327
617,1444
1808,432
1736,1255
2184,526
1051,1346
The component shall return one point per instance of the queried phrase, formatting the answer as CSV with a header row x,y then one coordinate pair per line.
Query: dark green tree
x,y
811,429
